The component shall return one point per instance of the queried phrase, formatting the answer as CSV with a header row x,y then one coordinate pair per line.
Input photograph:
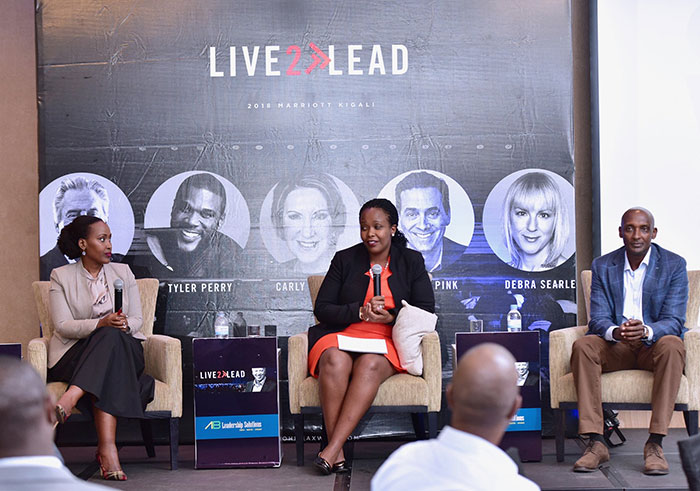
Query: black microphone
x,y
377,275
118,291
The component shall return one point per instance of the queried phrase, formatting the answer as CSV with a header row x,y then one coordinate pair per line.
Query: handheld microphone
x,y
377,276
118,292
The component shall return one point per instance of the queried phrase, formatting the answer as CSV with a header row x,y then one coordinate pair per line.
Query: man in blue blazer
x,y
638,301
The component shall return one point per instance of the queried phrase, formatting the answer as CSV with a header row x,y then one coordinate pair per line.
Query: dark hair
x,y
388,207
422,180
70,235
201,181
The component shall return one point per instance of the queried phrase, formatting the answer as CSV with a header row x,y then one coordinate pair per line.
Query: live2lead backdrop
x,y
290,115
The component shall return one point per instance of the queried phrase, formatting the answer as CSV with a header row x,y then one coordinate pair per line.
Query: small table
x,y
525,430
236,410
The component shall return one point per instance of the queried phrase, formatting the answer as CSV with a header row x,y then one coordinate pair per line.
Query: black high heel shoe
x,y
340,467
322,465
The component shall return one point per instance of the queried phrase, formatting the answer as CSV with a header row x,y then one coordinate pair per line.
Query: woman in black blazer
x,y
346,304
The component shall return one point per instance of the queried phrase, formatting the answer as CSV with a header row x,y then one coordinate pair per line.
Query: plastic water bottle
x,y
221,325
239,326
515,320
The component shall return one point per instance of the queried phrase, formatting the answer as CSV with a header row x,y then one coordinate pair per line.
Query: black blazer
x,y
345,286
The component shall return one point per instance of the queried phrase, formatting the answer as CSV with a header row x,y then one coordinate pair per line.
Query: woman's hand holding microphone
x,y
374,311
118,320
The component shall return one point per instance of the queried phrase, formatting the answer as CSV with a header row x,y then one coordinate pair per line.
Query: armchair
x,y
399,393
162,355
624,389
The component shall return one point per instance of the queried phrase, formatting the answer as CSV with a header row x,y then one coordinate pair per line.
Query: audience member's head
x,y
484,395
25,411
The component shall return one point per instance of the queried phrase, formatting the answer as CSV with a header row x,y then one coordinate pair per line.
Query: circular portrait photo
x,y
304,221
435,215
529,220
196,224
82,193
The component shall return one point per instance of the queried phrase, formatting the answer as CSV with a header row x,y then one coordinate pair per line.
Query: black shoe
x,y
322,465
341,467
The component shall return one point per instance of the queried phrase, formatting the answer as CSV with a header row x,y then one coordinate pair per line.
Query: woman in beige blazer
x,y
95,350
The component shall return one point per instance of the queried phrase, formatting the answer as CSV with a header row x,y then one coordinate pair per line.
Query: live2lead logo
x,y
319,59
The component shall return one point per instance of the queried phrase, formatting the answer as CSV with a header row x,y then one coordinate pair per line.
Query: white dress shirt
x,y
632,295
453,460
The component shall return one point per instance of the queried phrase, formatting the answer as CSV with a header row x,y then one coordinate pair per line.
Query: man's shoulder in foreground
x,y
454,460
31,478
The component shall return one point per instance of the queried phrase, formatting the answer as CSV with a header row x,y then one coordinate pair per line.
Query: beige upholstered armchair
x,y
399,393
162,355
624,389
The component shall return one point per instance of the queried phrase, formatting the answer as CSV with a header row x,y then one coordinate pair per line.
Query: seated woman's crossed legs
x,y
348,383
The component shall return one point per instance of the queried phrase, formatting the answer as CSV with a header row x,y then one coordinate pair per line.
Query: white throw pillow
x,y
411,325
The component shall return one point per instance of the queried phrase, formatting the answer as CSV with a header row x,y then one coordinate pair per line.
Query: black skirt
x,y
108,365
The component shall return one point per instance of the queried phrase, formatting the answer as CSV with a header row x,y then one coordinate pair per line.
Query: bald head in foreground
x,y
483,397
27,460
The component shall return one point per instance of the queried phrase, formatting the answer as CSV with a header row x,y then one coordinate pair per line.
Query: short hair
x,y
22,403
326,186
201,181
392,213
524,190
422,179
70,235
78,183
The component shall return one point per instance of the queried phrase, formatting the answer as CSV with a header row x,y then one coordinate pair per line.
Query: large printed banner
x,y
229,146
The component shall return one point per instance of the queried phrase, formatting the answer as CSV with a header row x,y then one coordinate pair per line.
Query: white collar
x,y
645,261
32,460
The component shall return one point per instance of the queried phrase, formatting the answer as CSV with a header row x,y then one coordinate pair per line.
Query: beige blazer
x,y
70,305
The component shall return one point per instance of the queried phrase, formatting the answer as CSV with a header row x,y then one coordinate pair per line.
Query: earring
x,y
83,252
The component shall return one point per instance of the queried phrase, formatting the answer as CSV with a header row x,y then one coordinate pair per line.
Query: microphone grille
x,y
118,284
377,269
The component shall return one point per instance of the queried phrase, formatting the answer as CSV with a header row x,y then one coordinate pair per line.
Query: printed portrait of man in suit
x,y
260,382
423,201
193,246
74,197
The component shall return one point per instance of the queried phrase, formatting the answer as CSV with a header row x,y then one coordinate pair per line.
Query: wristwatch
x,y
646,333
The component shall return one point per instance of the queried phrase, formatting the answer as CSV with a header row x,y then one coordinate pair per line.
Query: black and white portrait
x,y
528,220
77,194
260,382
304,221
425,201
196,224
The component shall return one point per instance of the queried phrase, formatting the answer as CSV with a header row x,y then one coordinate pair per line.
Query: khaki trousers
x,y
592,356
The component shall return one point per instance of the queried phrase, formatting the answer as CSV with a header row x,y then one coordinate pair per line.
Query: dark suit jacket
x,y
268,386
451,251
345,286
664,293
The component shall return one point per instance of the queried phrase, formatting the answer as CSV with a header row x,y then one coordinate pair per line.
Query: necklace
x,y
386,265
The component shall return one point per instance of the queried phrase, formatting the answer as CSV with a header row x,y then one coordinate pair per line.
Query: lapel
x,y
110,276
651,282
393,280
82,299
617,283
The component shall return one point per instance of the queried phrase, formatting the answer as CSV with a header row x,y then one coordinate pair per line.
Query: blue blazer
x,y
664,293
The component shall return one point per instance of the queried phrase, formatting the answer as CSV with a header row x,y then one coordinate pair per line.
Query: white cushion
x,y
411,325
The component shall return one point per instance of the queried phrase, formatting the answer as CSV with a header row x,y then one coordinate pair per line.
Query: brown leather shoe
x,y
595,454
655,463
